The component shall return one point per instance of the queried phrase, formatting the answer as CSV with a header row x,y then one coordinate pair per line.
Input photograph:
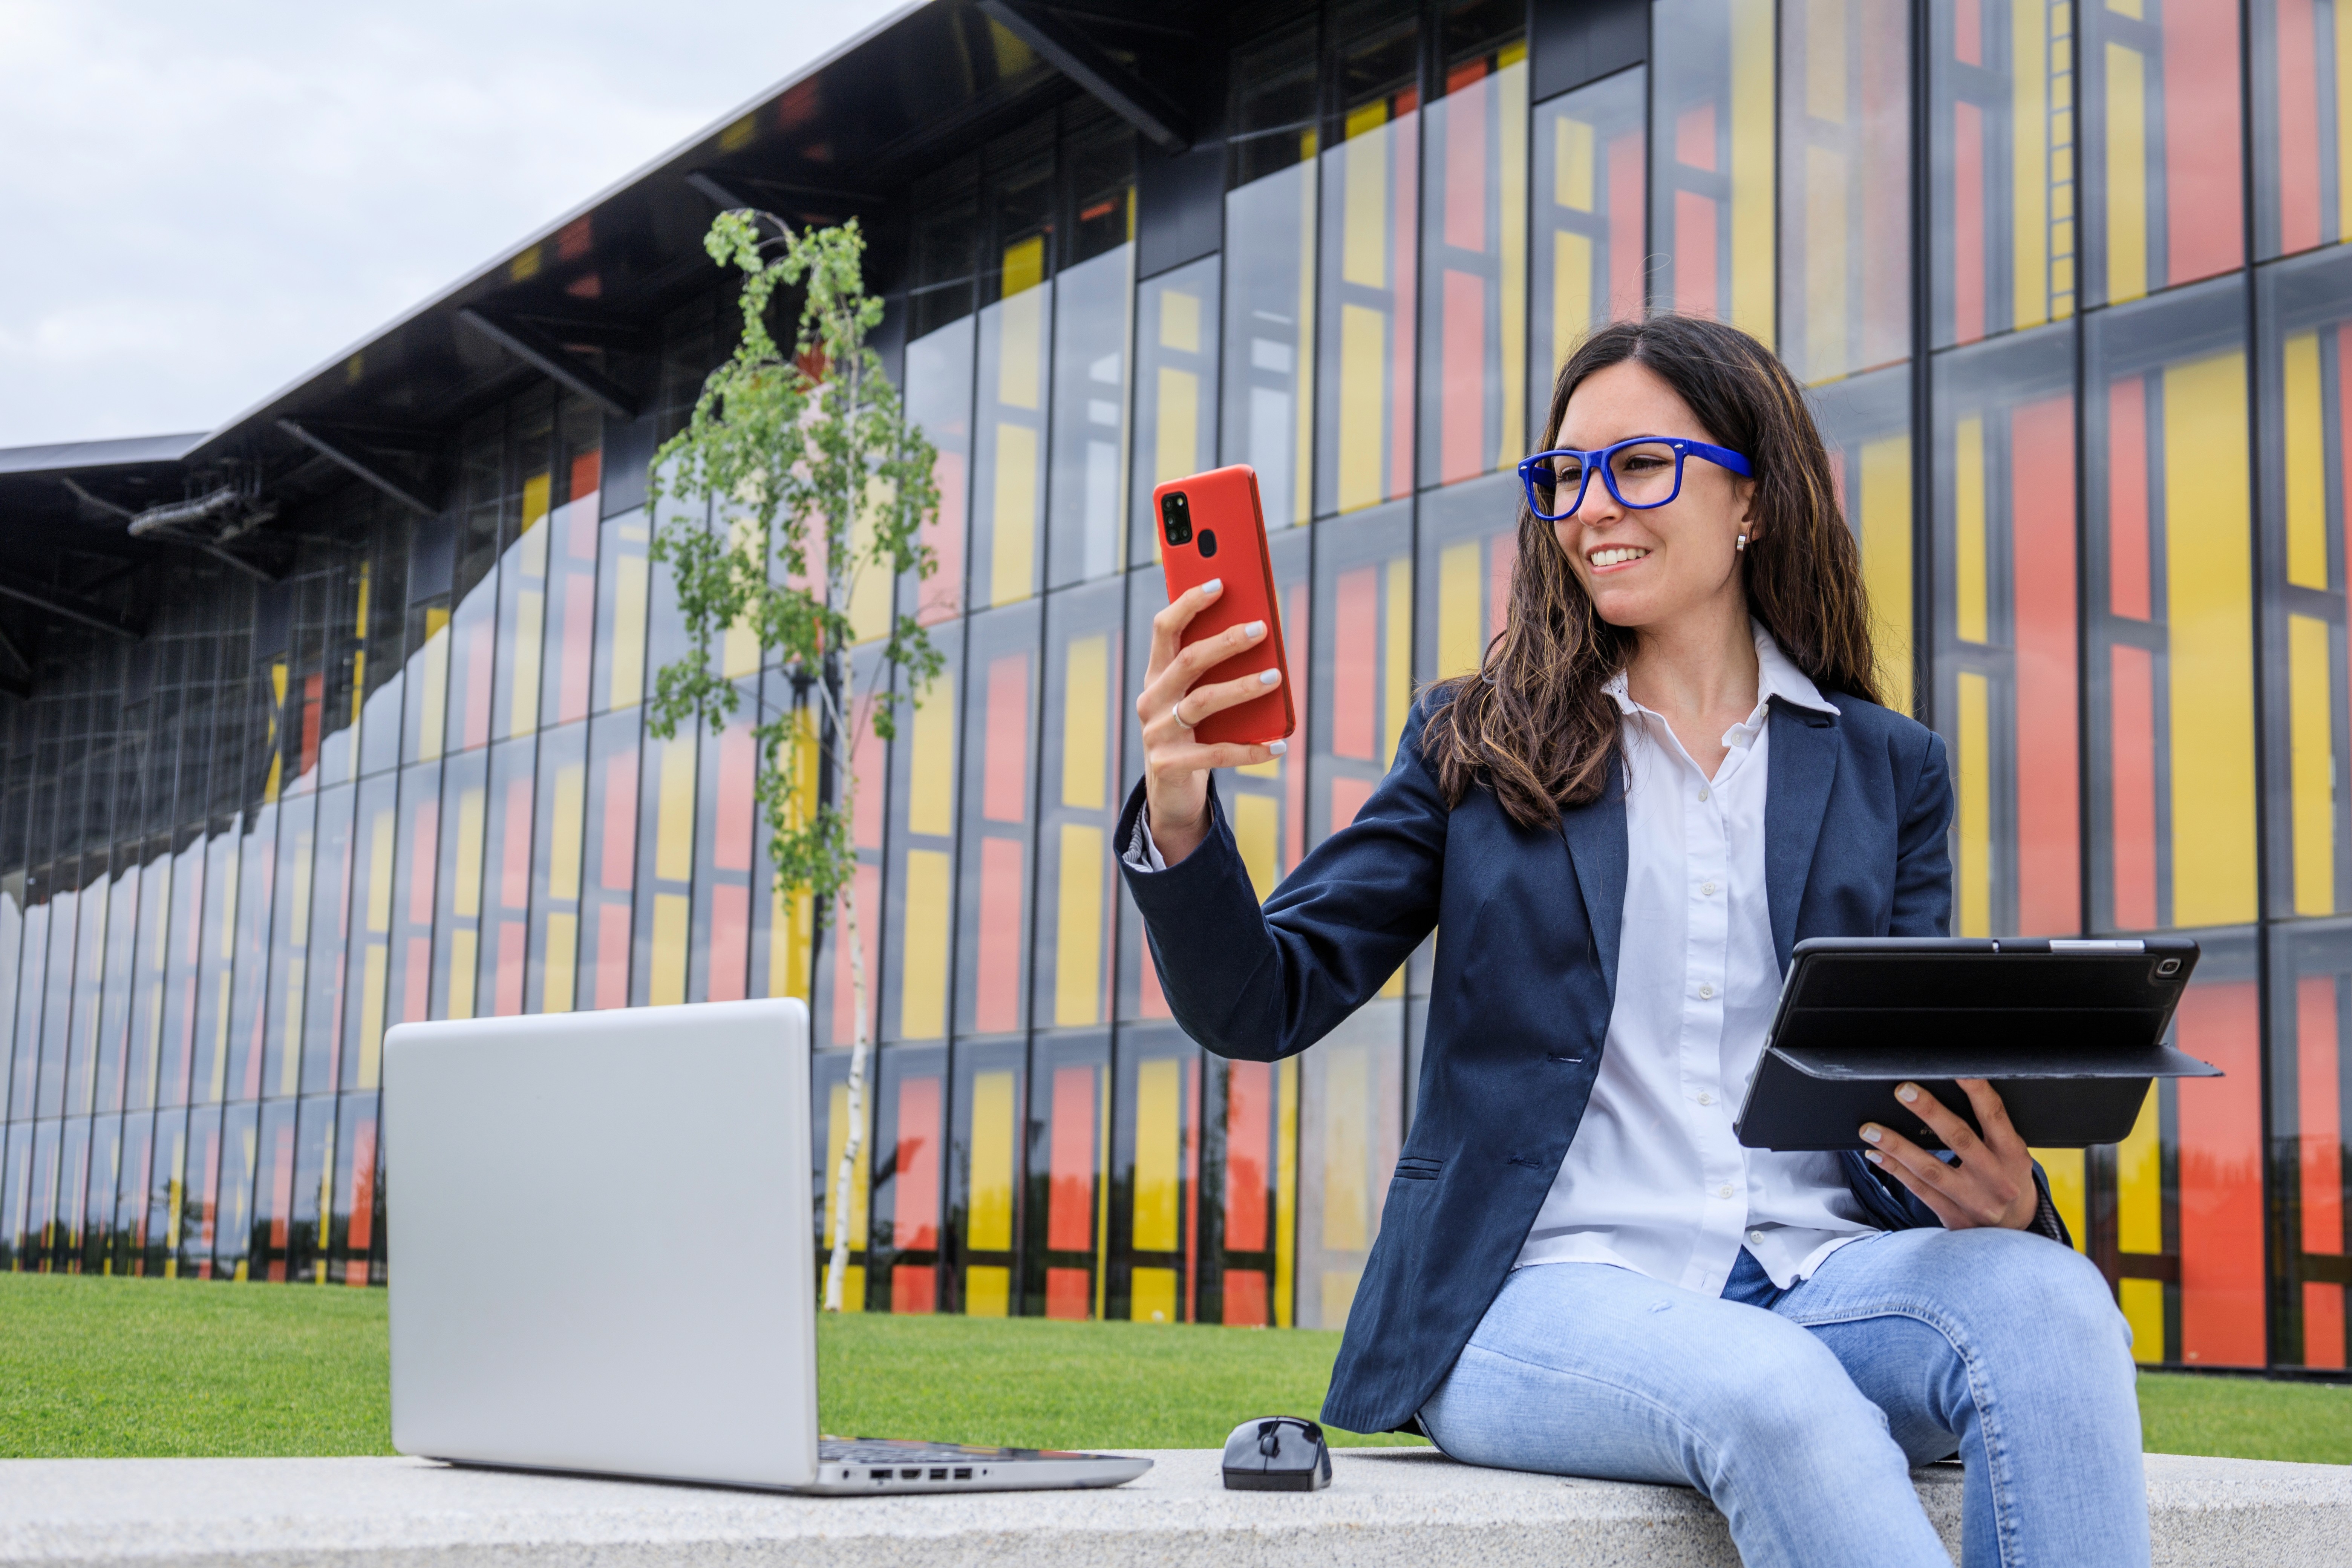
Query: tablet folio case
x,y
2071,1034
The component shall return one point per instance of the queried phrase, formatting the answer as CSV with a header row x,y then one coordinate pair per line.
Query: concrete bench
x,y
1395,1505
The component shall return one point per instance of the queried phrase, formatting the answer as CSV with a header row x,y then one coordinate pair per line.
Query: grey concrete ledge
x,y
1399,1505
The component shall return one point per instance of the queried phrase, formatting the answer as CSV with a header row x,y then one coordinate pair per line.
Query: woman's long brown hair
x,y
1534,724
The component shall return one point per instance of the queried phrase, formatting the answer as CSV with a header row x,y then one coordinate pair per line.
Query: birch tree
x,y
815,480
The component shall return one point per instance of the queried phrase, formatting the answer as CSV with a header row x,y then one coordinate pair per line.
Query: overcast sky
x,y
198,203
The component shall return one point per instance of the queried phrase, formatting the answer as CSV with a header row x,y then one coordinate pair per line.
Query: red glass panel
x,y
1355,663
2320,1112
1067,1293
2042,522
730,937
2127,559
914,1224
2220,1163
1004,793
1347,797
1694,289
2133,697
1070,1180
915,1290
1968,218
2200,139
1249,1112
2296,95
998,1004
1245,1299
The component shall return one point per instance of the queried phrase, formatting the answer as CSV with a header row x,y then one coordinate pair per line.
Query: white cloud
x,y
199,203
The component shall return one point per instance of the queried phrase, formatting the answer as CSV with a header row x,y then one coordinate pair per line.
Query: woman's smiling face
x,y
1645,567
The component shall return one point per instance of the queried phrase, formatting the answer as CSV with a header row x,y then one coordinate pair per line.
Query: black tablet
x,y
2070,1033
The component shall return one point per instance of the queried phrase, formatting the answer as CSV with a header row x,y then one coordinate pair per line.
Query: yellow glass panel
x,y
1460,617
466,876
987,1292
674,818
2306,465
463,950
1363,380
1018,372
2140,1183
1886,560
625,682
1025,265
836,1137
434,669
1825,31
1303,481
2029,160
2311,765
1178,436
1151,1295
2127,172
1077,950
853,1288
563,851
930,778
522,707
2066,1168
1285,1189
1085,707
667,985
988,1226
1158,1143
1573,165
1396,687
869,588
1346,1142
1753,185
1257,832
1571,293
1975,812
1339,1295
1969,528
380,847
1180,320
562,948
2143,1306
2208,610
923,989
1013,551
1363,120
372,984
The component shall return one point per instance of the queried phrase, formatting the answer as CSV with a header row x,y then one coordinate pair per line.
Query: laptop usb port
x,y
963,1472
878,1475
940,1475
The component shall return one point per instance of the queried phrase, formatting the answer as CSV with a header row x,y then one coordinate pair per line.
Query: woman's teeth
x,y
1616,555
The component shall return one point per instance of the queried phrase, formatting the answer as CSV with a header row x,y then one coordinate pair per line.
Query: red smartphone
x,y
1211,525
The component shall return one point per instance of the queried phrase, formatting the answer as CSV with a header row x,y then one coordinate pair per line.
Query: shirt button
x,y
1705,992
1707,889
1755,1238
1702,794
1705,1098
1723,1191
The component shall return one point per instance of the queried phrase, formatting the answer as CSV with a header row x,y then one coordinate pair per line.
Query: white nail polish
x,y
1874,1156
1255,629
1906,1094
1268,677
1870,1134
1278,747
1212,586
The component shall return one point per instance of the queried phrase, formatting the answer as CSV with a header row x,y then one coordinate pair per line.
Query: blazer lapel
x,y
1597,851
1796,791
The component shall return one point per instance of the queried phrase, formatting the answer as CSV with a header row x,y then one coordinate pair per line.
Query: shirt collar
x,y
1774,677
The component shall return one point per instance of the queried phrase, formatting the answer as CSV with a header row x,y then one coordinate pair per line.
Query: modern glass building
x,y
360,739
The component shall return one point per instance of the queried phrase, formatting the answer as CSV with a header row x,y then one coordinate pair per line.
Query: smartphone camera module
x,y
1176,518
2168,966
1208,542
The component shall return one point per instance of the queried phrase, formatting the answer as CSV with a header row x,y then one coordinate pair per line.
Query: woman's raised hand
x,y
1175,765
1990,1183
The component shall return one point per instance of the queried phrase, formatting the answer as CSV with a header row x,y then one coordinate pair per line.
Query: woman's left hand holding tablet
x,y
1990,1183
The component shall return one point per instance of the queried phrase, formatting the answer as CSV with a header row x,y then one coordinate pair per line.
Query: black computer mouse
x,y
1277,1454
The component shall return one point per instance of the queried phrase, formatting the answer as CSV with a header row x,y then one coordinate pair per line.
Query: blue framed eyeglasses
x,y
1641,473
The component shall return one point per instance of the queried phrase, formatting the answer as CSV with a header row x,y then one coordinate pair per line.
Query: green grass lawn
x,y
91,1367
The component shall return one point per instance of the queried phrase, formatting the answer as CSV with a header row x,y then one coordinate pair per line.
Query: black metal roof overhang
x,y
580,301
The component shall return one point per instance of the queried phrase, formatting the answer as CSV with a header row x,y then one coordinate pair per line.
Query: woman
x,y
1672,766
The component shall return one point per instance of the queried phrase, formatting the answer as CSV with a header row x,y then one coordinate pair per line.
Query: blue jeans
x,y
1799,1413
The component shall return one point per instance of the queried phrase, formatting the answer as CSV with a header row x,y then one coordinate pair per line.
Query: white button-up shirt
x,y
1653,1180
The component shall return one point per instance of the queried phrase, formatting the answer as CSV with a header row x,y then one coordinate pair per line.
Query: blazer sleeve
x,y
1260,983
1923,855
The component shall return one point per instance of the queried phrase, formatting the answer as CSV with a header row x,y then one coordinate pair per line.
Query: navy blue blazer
x,y
1526,973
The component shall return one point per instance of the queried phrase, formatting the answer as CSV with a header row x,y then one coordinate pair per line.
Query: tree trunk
x,y
854,1136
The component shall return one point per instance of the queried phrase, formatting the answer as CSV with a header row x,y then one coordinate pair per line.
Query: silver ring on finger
x,y
1176,711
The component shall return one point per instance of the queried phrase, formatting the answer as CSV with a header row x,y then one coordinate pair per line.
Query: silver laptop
x,y
603,1258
